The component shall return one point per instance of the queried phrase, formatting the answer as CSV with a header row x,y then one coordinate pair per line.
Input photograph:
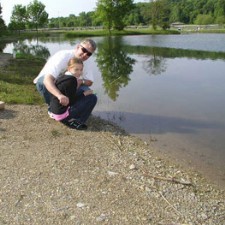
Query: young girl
x,y
68,84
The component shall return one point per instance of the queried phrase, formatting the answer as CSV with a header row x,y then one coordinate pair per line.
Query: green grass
x,y
91,33
222,31
16,81
82,33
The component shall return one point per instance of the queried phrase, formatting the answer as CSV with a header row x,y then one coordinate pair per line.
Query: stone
x,y
2,105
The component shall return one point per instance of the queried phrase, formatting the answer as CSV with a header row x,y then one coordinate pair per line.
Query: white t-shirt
x,y
57,64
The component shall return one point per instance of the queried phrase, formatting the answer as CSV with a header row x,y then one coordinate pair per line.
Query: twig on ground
x,y
173,180
113,142
164,198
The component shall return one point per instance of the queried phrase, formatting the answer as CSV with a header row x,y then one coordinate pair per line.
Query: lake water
x,y
167,89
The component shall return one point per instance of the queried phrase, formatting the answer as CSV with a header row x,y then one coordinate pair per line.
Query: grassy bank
x,y
16,81
81,33
91,33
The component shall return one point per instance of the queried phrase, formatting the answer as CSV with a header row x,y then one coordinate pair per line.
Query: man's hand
x,y
88,92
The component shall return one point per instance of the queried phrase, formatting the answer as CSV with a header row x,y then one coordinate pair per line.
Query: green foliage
x,y
32,16
84,20
90,33
104,13
36,14
117,14
220,20
2,26
204,19
160,14
16,81
113,12
188,11
18,18
2,23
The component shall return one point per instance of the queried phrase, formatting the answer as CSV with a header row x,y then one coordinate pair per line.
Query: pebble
x,y
80,205
102,217
2,105
111,173
132,167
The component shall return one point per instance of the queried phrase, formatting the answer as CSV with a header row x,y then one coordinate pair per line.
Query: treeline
x,y
160,12
119,14
197,11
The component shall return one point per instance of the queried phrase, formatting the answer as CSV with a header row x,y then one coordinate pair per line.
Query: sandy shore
x,y
51,174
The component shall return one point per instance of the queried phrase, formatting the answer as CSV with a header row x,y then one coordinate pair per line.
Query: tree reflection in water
x,y
115,65
21,49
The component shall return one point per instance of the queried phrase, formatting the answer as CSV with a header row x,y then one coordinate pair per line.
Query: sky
x,y
54,8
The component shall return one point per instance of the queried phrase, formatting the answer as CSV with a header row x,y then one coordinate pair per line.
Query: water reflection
x,y
156,64
29,50
156,124
114,64
174,52
156,57
115,61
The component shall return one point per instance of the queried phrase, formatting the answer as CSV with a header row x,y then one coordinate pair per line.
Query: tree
x,y
19,18
204,19
2,22
139,15
84,20
104,13
113,12
160,12
37,16
220,9
71,20
145,9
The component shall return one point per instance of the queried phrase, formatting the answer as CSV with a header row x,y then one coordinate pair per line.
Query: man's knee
x,y
94,98
43,90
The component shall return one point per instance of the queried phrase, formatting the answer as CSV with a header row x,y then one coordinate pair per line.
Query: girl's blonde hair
x,y
74,61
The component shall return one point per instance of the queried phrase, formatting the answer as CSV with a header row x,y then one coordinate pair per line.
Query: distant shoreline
x,y
176,28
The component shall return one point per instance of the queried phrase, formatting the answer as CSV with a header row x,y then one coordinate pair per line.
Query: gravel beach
x,y
51,174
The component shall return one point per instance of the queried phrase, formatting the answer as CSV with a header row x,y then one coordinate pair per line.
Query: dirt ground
x,y
54,175
51,174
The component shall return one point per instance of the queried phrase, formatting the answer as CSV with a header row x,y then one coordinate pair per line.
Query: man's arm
x,y
49,82
84,82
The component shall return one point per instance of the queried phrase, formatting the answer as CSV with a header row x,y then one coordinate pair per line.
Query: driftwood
x,y
173,179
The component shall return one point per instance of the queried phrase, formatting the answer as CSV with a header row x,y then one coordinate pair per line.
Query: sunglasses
x,y
84,50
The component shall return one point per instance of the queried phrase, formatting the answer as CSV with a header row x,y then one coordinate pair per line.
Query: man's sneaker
x,y
50,114
75,125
